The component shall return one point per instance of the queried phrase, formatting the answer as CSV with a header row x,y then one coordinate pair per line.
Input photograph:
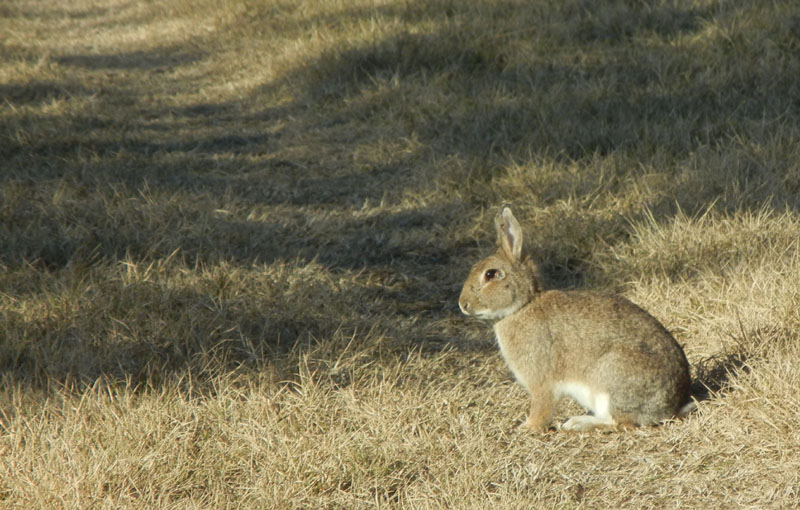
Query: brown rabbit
x,y
612,357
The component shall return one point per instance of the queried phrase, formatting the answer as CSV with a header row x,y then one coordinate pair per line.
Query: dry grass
x,y
232,236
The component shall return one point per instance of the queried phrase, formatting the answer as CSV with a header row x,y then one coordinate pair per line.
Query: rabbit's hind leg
x,y
599,405
585,423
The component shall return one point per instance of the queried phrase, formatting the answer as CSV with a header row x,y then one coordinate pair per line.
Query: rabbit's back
x,y
595,323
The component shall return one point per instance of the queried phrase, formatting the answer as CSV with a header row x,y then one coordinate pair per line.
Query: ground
x,y
233,235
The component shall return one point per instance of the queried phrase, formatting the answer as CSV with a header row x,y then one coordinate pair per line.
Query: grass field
x,y
233,234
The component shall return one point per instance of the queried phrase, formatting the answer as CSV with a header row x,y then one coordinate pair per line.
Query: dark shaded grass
x,y
372,161
568,80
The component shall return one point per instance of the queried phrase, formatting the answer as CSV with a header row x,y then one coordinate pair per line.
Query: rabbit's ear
x,y
509,234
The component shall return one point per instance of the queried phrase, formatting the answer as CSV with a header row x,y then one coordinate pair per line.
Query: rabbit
x,y
612,357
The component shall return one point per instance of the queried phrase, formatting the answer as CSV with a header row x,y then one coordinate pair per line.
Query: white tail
x,y
687,409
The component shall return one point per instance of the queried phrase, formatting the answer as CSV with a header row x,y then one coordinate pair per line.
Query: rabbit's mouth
x,y
486,313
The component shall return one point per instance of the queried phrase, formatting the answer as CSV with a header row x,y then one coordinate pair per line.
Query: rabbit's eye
x,y
493,274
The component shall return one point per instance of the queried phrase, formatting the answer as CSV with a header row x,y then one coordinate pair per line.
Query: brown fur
x,y
610,355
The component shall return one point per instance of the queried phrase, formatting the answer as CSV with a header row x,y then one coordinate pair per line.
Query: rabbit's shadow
x,y
713,375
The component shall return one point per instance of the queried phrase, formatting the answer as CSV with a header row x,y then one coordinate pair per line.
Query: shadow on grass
x,y
451,107
713,375
592,78
34,92
162,60
168,330
300,289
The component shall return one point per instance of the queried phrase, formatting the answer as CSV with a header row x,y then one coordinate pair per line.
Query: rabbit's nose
x,y
465,308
